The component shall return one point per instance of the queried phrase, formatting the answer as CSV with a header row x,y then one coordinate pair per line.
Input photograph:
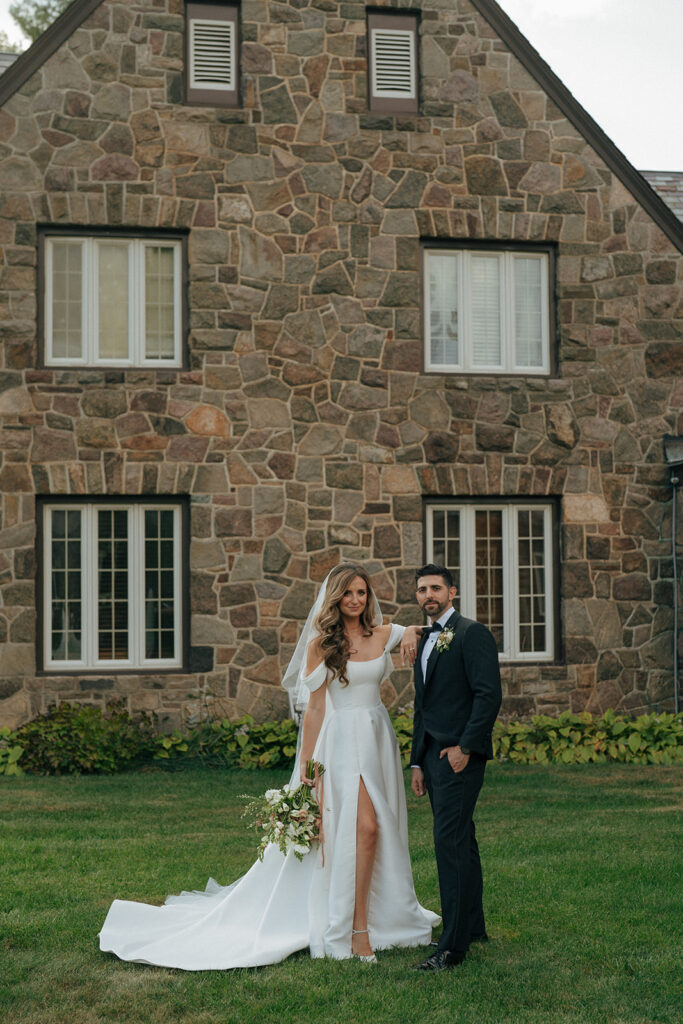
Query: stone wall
x,y
304,429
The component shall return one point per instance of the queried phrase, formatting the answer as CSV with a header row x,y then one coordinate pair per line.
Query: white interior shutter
x,y
212,54
393,63
65,283
529,320
113,299
485,309
444,347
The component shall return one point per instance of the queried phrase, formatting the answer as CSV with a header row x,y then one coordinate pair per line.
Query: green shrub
x,y
10,753
402,722
80,738
239,744
583,739
575,739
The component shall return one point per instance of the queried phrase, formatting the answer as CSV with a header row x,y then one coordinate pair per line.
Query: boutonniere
x,y
444,640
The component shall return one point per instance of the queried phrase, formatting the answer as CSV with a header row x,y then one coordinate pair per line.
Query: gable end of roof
x,y
45,45
77,11
636,184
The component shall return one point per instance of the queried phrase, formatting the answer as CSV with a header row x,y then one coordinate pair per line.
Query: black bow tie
x,y
436,628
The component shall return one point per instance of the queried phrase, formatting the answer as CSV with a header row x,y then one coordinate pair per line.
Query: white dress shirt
x,y
431,640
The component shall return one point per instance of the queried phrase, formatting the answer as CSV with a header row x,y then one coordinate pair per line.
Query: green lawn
x,y
583,885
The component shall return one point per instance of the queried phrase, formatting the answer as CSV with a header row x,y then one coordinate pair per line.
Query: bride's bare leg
x,y
366,845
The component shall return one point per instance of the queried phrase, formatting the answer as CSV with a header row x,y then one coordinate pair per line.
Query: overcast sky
x,y
620,58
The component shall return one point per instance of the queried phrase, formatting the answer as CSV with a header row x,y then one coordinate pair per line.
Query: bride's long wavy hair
x,y
329,622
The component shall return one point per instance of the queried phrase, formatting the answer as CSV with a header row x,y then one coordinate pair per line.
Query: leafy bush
x,y
239,744
10,753
83,739
402,722
583,739
80,738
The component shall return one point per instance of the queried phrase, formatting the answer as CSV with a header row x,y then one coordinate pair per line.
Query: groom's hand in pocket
x,y
457,760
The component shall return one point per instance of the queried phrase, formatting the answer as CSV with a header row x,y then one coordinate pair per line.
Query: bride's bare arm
x,y
315,712
409,641
409,644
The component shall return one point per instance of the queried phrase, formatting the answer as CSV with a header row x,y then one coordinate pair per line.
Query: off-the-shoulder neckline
x,y
364,661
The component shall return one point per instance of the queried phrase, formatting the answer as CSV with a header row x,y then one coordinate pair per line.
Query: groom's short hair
x,y
436,570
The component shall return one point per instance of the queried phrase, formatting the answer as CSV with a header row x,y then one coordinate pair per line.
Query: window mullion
x,y
465,298
49,300
89,562
511,361
507,312
136,319
177,579
177,306
90,290
510,583
427,312
549,583
47,585
545,315
136,575
469,574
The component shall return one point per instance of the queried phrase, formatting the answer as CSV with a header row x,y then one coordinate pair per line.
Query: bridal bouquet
x,y
289,817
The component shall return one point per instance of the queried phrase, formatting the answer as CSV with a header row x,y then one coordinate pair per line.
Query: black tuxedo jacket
x,y
459,700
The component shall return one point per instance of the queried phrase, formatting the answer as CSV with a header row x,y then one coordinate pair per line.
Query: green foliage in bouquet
x,y
287,817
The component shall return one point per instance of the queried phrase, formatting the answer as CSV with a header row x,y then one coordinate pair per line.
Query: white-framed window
x,y
112,301
112,585
487,311
392,63
212,53
501,557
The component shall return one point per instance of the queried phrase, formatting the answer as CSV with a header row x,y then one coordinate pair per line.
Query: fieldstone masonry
x,y
304,428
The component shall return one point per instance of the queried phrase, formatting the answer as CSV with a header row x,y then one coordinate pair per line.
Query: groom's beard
x,y
434,610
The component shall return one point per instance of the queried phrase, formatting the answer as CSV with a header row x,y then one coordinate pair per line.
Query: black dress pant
x,y
453,797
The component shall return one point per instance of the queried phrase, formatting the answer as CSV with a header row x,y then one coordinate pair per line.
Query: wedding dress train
x,y
282,904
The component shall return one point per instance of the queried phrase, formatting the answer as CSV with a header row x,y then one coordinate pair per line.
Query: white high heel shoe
x,y
371,959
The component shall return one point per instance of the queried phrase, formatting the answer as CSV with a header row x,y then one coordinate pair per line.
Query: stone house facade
x,y
245,338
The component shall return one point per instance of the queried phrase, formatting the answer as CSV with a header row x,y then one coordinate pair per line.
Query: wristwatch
x,y
465,750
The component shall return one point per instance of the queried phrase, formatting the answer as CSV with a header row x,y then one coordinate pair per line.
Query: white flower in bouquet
x,y
288,817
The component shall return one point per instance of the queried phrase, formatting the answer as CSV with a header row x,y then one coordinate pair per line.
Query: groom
x,y
457,697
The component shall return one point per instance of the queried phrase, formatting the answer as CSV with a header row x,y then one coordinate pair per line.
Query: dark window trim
x,y
95,231
219,12
180,501
497,245
555,503
391,18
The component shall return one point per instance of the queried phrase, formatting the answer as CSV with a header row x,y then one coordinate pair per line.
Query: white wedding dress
x,y
282,904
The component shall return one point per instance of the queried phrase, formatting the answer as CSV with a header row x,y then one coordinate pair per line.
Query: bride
x,y
353,893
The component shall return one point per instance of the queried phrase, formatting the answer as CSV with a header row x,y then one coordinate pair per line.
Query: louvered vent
x,y
393,63
212,54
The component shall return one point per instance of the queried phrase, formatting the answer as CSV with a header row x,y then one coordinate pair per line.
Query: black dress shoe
x,y
440,960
